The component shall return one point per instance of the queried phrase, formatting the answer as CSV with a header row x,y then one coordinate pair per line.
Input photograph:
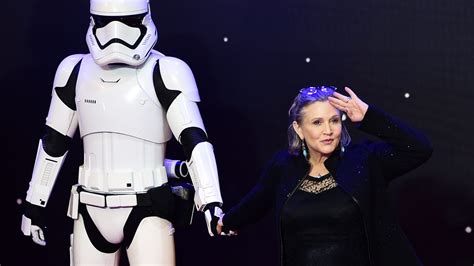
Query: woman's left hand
x,y
354,107
220,228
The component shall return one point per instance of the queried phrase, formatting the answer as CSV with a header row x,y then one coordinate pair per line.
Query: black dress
x,y
363,171
322,225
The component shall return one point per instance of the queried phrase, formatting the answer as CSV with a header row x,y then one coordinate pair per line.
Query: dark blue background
x,y
380,48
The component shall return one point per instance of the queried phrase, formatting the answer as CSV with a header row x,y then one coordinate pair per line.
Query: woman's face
x,y
320,127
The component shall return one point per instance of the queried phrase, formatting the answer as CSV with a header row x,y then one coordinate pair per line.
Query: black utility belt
x,y
170,201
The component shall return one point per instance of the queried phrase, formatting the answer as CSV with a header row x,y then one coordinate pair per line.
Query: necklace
x,y
319,175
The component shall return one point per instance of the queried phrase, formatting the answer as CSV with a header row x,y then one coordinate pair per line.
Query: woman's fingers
x,y
351,93
344,107
337,103
341,97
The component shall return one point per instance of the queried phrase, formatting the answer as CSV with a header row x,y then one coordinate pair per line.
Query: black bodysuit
x,y
322,225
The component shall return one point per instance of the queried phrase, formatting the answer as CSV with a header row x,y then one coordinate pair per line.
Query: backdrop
x,y
412,58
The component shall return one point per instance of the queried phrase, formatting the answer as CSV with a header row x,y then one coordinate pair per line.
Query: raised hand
x,y
354,107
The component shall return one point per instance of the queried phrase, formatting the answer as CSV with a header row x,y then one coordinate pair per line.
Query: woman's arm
x,y
258,201
403,148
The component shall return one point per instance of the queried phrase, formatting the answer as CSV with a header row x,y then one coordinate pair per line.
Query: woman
x,y
329,196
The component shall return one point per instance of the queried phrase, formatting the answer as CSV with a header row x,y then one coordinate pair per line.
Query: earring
x,y
304,149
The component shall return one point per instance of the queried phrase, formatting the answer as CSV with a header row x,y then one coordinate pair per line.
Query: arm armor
x,y
178,94
44,175
61,125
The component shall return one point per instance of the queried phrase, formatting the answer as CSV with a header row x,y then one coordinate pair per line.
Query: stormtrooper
x,y
128,100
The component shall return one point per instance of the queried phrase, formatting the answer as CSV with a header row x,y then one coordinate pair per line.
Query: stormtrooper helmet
x,y
121,31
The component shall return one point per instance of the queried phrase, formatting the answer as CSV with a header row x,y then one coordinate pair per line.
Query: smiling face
x,y
320,127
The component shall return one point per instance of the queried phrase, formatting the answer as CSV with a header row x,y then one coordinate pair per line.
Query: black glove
x,y
212,213
33,223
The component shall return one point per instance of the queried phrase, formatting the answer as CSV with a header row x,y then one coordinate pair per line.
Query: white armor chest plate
x,y
120,100
123,128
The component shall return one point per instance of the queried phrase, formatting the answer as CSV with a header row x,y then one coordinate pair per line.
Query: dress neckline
x,y
322,177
